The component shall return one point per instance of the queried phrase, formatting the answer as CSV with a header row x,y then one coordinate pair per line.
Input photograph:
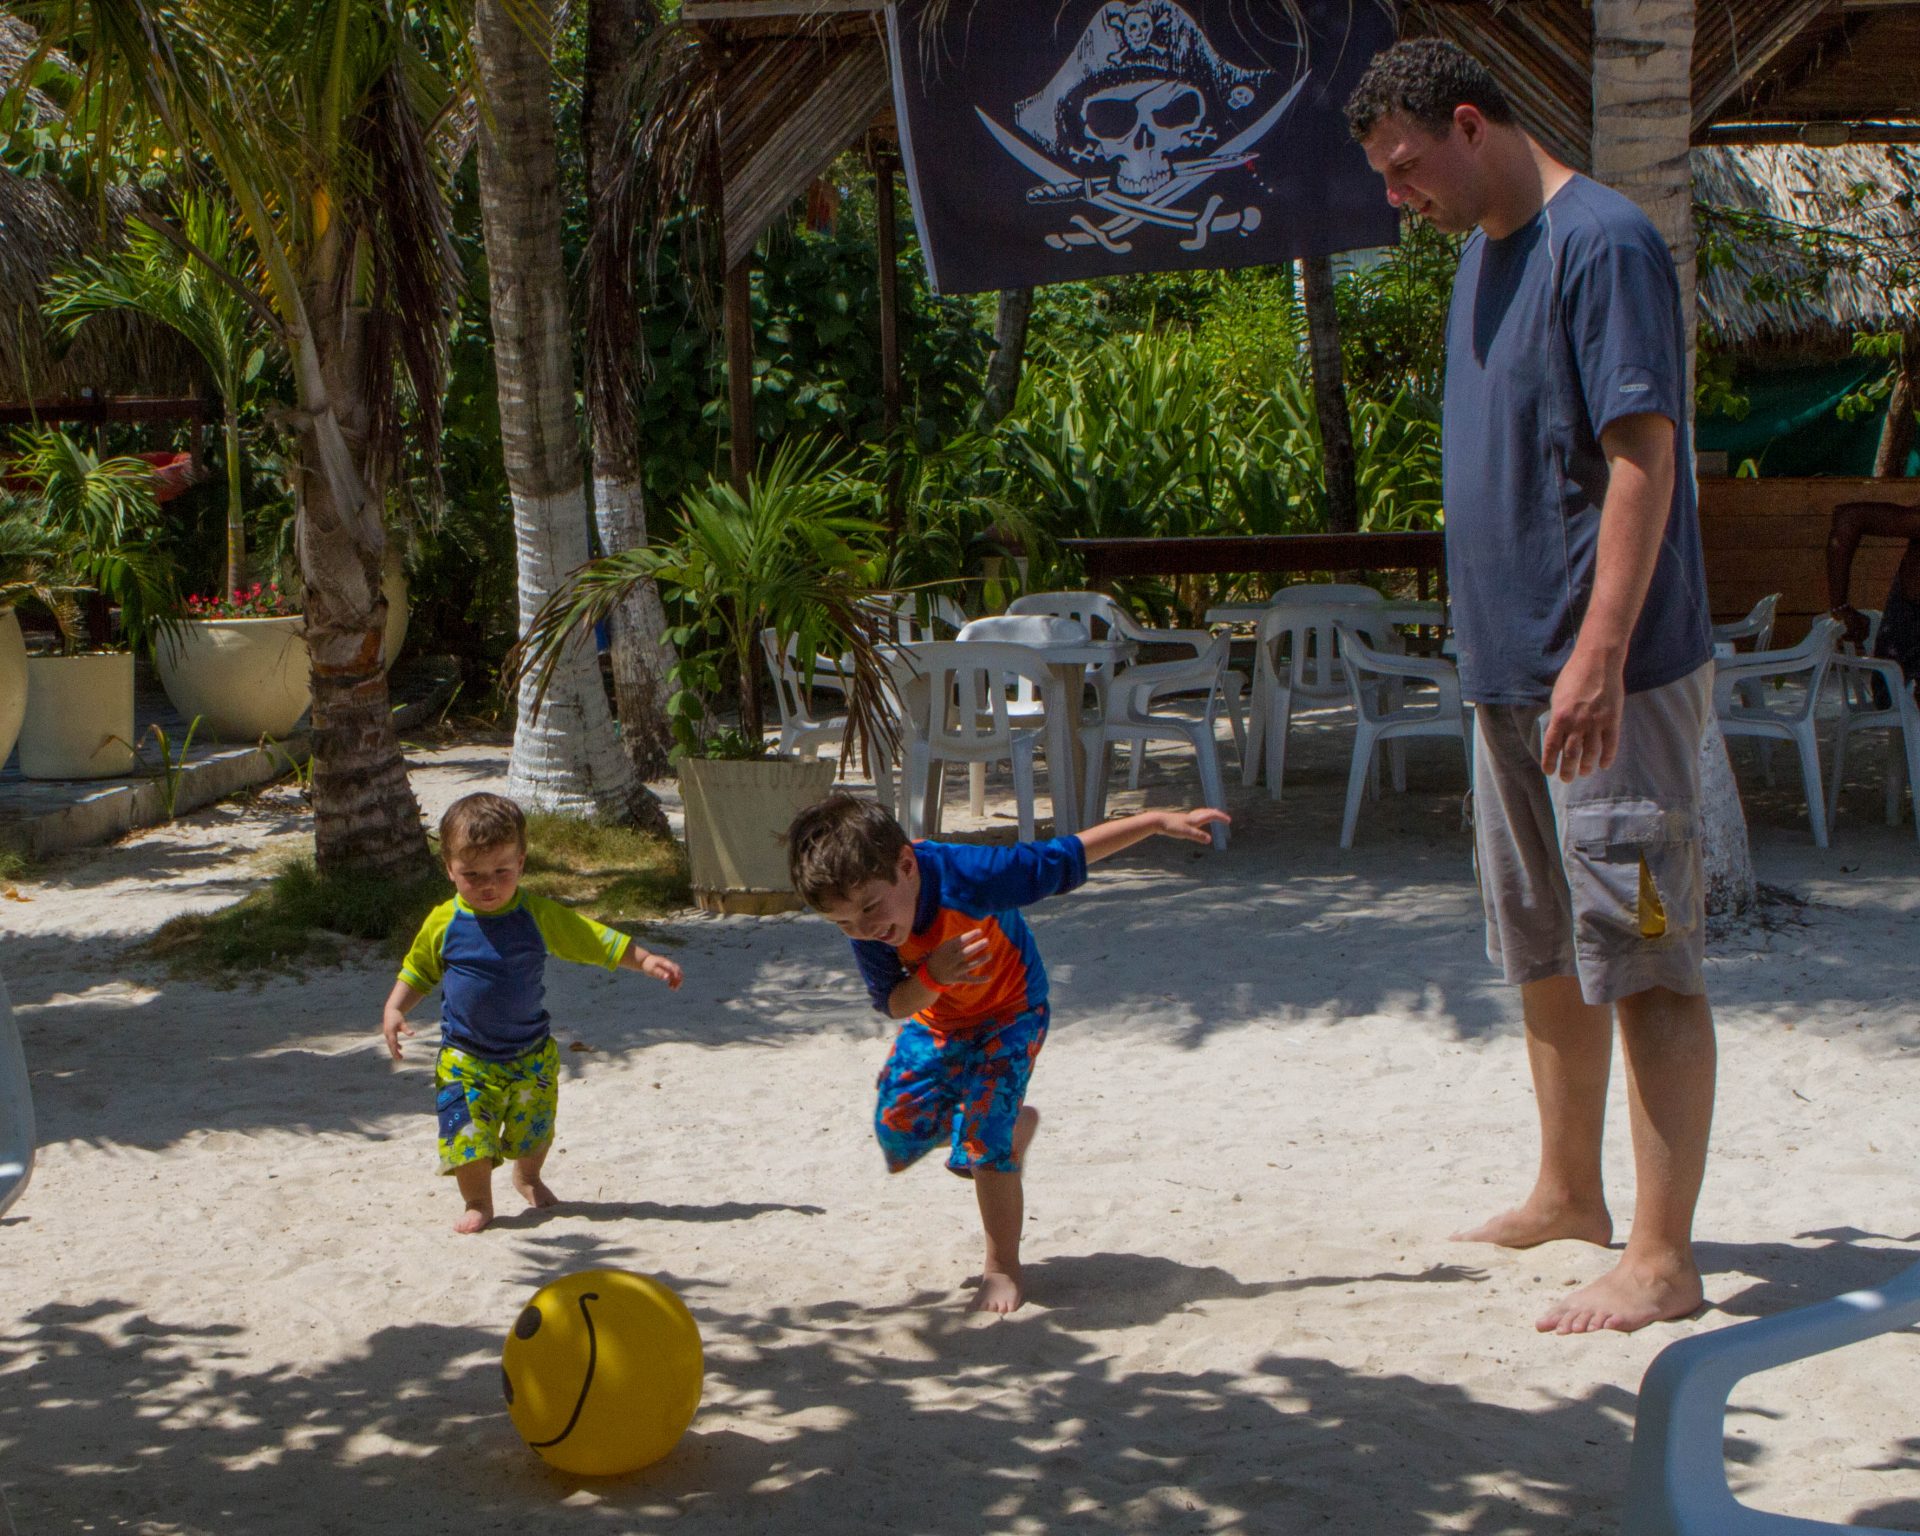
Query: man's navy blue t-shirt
x,y
1557,331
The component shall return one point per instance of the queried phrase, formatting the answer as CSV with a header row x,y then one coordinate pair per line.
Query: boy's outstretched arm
x,y
1109,837
394,1022
647,963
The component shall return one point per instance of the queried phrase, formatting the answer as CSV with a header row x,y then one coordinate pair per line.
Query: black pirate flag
x,y
1047,143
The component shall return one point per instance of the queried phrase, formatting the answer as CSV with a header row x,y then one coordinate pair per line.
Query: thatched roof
x,y
1860,204
43,227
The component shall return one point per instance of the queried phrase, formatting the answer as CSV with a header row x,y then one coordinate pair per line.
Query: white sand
x,y
231,1301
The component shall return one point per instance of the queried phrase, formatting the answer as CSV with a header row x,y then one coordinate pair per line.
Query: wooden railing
x,y
1107,560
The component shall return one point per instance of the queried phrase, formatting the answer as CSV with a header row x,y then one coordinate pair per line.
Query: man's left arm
x,y
1583,725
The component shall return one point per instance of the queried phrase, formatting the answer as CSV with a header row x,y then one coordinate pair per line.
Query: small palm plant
x,y
198,288
794,554
91,519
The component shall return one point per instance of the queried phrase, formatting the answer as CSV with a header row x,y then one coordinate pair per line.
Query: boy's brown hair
x,y
481,821
840,843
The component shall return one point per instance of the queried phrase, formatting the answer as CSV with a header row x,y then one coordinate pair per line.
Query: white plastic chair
x,y
917,617
1297,656
1130,720
959,712
1027,708
1387,714
1677,1476
1757,626
1203,675
800,732
1746,705
16,1109
1096,612
1327,592
1859,711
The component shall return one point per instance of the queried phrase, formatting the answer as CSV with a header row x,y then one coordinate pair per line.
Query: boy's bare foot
x,y
1542,1221
999,1292
1632,1294
535,1192
1025,1126
474,1219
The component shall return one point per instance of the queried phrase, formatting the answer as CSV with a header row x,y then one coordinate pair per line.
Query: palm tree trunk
x,y
1642,124
1896,434
365,816
236,525
642,656
565,756
1010,318
1330,397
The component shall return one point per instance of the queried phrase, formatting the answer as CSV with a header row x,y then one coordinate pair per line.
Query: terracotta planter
x,y
393,582
13,682
79,720
737,813
245,678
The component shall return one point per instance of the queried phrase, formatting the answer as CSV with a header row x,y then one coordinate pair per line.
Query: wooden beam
x,y
1727,60
759,10
888,254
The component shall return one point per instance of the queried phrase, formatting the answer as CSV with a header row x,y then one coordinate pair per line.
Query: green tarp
x,y
1791,428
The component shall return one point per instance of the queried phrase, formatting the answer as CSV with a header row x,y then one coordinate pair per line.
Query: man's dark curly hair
x,y
1424,79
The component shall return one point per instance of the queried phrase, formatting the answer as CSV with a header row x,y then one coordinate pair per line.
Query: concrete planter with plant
x,y
795,554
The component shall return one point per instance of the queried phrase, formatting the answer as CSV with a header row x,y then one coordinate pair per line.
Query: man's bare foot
x,y
534,1192
1025,1126
1629,1296
474,1219
999,1292
1540,1221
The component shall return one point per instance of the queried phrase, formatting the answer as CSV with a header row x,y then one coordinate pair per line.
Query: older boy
x,y
939,939
497,1077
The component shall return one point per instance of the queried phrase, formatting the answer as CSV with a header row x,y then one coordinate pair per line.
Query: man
x,y
1899,638
1573,552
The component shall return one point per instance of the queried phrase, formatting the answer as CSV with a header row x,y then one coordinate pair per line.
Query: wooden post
x,y
739,326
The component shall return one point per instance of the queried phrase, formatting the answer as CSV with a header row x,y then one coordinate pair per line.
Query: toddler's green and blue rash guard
x,y
491,968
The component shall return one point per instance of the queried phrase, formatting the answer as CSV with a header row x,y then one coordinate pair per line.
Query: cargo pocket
x,y
450,1107
1633,868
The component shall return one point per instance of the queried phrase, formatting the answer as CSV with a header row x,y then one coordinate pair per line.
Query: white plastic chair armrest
x,y
1677,1477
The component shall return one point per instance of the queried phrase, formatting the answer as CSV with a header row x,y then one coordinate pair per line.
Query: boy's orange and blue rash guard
x,y
491,969
964,887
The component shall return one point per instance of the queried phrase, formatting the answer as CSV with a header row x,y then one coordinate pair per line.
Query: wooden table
x,y
1106,560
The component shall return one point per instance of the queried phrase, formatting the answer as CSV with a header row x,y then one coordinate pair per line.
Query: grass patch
x,y
615,874
14,865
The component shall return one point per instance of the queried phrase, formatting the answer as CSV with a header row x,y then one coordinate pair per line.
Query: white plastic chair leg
x,y
976,790
1840,735
1677,1476
1277,723
1903,772
1135,757
1816,795
1213,790
1023,787
1364,751
1255,739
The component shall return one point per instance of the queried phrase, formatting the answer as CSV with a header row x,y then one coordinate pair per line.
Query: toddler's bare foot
x,y
999,1291
474,1219
1025,1127
534,1192
1542,1221
1632,1294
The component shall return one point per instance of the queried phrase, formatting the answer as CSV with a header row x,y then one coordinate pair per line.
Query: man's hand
x,y
1853,622
961,961
1583,723
393,1026
660,968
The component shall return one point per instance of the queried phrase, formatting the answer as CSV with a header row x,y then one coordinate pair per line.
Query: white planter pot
x,y
393,582
737,812
245,678
13,682
79,720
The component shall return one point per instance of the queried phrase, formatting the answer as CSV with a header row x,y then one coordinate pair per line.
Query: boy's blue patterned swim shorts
x,y
968,1086
497,1110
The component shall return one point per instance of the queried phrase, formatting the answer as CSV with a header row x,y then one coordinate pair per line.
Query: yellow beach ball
x,y
602,1372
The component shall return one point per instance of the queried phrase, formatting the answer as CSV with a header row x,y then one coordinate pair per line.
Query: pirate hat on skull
x,y
1142,85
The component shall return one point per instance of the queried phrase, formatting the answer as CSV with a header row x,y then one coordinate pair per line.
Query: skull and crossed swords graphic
x,y
1139,106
